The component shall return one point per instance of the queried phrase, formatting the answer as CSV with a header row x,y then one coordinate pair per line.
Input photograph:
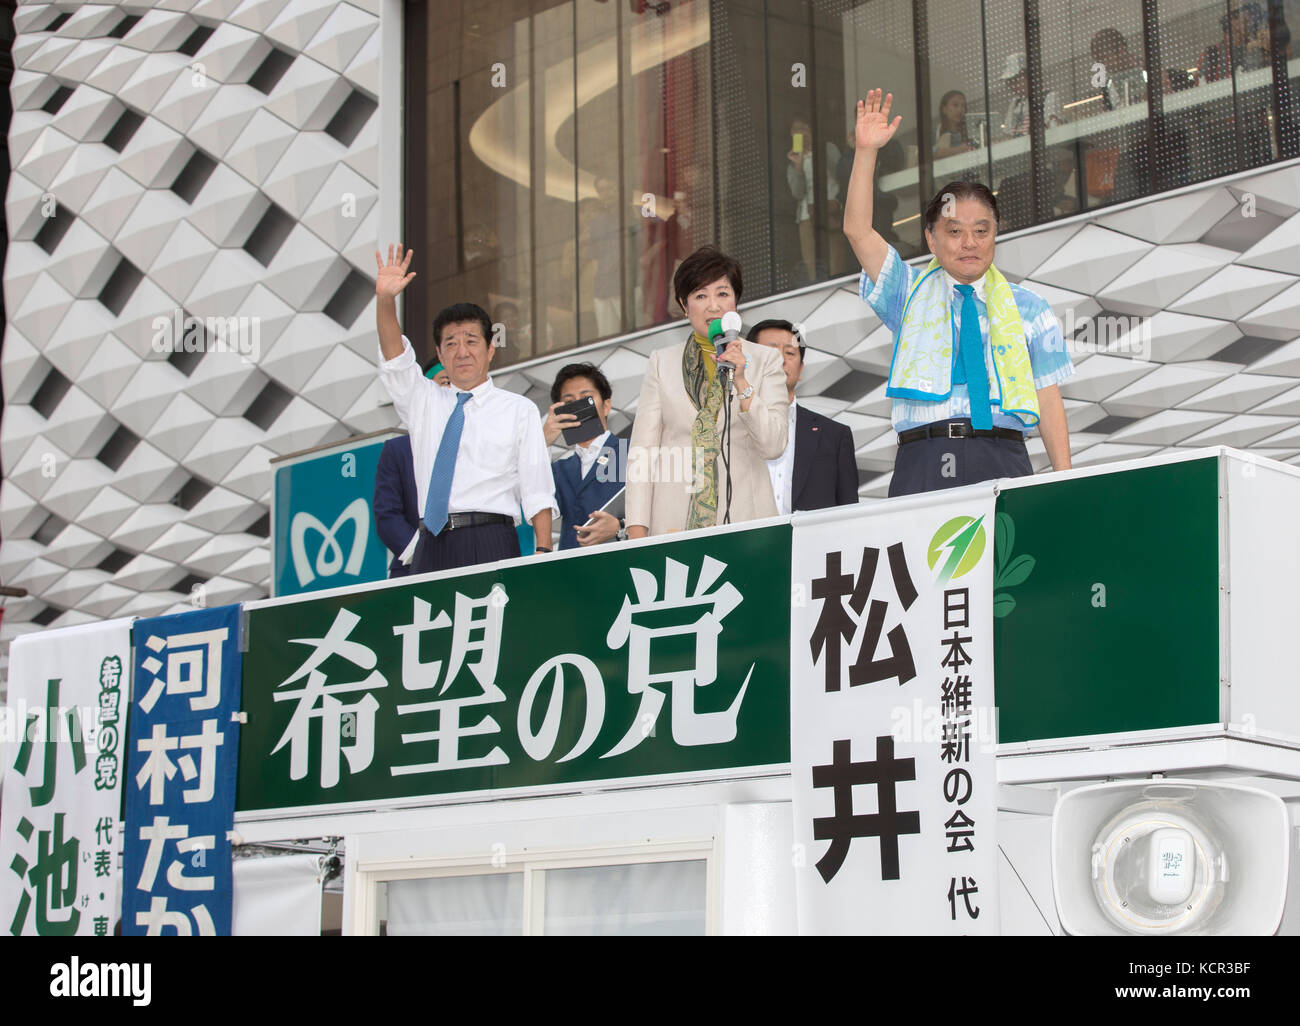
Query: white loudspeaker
x,y
1165,857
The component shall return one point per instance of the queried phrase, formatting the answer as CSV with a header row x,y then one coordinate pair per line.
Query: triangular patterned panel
x,y
116,69
88,114
106,512
1165,387
1091,259
338,209
260,146
233,53
299,21
186,98
301,173
1239,393
258,15
112,202
1182,218
160,31
1168,427
223,120
1232,292
181,261
341,37
148,476
1278,318
1277,251
81,175
107,369
308,96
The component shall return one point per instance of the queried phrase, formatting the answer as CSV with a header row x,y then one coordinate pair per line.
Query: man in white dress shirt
x,y
478,450
818,469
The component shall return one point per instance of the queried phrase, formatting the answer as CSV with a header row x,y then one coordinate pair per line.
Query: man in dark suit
x,y
395,503
593,473
817,469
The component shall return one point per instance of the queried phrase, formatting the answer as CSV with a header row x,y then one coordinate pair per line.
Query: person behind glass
x,y
1015,74
1015,192
1125,148
1244,44
396,500
675,478
977,361
478,449
817,469
799,177
951,137
1126,82
592,474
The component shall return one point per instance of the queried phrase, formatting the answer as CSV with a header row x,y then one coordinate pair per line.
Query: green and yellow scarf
x,y
704,389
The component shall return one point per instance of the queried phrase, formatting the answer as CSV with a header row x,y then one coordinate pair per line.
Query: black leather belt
x,y
957,429
458,520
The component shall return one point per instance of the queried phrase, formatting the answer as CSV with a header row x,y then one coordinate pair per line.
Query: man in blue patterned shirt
x,y
977,361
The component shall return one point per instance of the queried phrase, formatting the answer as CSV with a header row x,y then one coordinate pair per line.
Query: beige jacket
x,y
660,464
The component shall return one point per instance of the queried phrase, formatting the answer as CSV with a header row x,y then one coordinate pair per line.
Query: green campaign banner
x,y
631,662
1106,603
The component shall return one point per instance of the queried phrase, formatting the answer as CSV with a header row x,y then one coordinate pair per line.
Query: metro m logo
x,y
329,558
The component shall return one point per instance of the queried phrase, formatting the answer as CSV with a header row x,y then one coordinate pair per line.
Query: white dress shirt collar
x,y
589,454
952,284
479,391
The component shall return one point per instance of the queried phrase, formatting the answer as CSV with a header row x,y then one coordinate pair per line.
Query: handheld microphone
x,y
722,332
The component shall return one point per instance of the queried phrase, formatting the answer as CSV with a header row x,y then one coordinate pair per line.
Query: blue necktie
x,y
444,466
970,347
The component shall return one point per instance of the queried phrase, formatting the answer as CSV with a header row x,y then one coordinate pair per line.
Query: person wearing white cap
x,y
1016,76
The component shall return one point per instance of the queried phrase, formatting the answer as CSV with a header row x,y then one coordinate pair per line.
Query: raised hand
x,y
874,128
393,276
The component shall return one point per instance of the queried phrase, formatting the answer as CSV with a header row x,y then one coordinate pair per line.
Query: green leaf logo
x,y
956,547
1008,570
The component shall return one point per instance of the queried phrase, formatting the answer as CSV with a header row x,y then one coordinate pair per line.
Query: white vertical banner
x,y
64,743
278,896
892,721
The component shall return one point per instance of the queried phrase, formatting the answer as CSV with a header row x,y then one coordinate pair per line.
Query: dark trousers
x,y
932,464
464,546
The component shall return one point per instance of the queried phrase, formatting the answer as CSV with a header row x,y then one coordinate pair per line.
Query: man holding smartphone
x,y
592,474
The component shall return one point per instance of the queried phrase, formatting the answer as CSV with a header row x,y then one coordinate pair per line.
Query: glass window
x,y
1094,58
632,899
959,130
645,899
563,158
879,52
483,905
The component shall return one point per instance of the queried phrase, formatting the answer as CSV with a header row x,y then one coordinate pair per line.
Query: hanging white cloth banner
x,y
62,739
277,896
892,723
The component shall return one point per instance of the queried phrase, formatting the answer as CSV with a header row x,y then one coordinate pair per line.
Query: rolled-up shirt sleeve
x,y
404,383
1049,357
887,295
536,482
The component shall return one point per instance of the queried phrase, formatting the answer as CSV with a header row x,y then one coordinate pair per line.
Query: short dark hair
x,y
777,323
707,264
460,313
959,191
581,370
